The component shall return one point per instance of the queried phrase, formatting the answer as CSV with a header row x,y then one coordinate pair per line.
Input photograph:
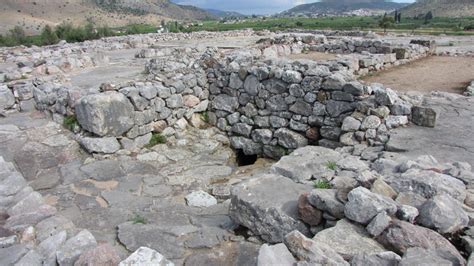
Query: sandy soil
x,y
437,73
312,56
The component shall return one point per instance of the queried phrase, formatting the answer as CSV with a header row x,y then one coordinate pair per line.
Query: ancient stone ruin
x,y
230,153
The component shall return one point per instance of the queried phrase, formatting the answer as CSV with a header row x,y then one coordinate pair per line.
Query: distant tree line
x,y
50,35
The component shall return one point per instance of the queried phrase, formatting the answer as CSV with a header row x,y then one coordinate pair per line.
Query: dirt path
x,y
436,73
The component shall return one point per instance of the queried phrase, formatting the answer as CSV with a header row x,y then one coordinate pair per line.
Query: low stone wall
x,y
273,108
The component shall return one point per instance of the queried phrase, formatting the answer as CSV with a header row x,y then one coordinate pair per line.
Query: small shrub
x,y
70,122
331,165
205,117
322,184
156,139
139,219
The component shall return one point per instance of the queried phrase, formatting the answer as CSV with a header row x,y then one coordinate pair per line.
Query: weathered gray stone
x,y
225,103
133,236
386,96
443,214
73,248
12,254
48,247
7,99
100,145
235,82
252,85
52,226
246,145
104,254
378,224
348,240
424,116
355,88
275,255
421,256
334,82
407,213
290,139
105,114
307,250
387,258
370,122
103,170
326,200
29,204
336,108
350,124
262,136
31,258
269,215
200,199
306,163
363,205
400,236
301,108
242,129
291,76
428,184
146,256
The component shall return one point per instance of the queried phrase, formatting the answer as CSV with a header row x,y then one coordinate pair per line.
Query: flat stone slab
x,y
267,205
450,140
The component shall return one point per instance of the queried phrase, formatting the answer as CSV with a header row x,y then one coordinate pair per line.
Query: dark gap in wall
x,y
243,159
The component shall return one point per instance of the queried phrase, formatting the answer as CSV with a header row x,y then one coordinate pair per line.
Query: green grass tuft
x,y
331,165
205,117
156,138
322,184
70,122
139,219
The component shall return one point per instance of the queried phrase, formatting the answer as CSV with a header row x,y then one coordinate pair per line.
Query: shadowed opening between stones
x,y
243,159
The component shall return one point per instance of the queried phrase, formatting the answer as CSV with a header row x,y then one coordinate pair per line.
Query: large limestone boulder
x,y
105,114
146,256
275,255
268,206
304,163
364,205
305,249
348,240
7,100
443,214
428,184
400,236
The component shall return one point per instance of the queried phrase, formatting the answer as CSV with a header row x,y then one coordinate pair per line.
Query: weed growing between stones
x,y
331,165
322,184
205,117
70,122
139,219
156,139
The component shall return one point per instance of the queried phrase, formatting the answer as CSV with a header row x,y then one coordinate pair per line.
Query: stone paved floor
x,y
450,140
137,199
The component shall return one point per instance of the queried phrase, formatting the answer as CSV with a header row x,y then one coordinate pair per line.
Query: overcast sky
x,y
252,6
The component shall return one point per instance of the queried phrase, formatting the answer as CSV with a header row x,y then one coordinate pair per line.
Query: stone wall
x,y
274,107
268,106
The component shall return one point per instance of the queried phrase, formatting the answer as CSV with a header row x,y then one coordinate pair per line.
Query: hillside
x,y
343,7
441,8
224,14
34,14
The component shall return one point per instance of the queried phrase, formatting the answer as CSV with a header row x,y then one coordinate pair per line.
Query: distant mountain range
x,y
343,7
224,14
34,14
441,8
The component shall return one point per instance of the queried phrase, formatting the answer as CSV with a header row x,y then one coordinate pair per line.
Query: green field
x,y
434,26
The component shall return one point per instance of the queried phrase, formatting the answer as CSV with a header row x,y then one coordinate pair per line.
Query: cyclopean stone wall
x,y
268,106
275,107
